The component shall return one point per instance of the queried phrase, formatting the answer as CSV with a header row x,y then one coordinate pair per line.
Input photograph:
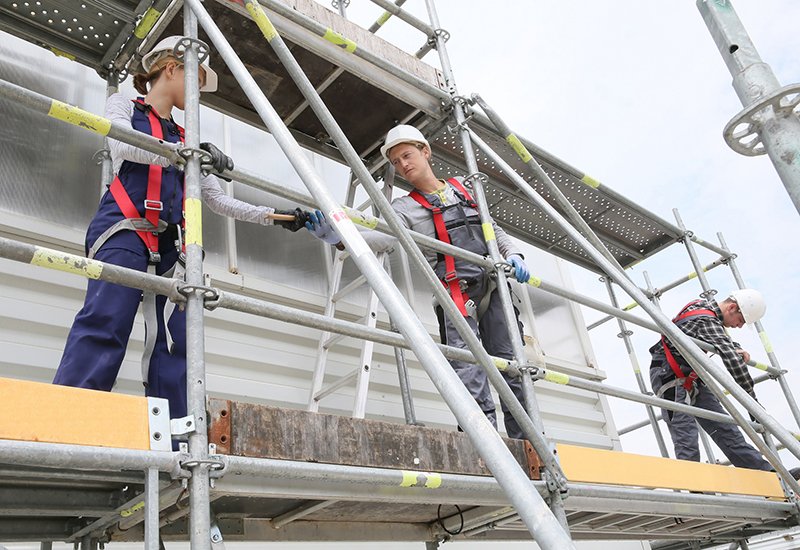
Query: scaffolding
x,y
535,489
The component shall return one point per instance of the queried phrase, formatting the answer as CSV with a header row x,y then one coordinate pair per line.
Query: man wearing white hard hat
x,y
672,377
445,210
139,225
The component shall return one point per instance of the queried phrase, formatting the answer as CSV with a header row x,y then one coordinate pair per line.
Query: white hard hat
x,y
402,133
166,47
751,304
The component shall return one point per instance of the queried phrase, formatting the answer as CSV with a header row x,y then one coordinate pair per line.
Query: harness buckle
x,y
155,258
450,276
153,205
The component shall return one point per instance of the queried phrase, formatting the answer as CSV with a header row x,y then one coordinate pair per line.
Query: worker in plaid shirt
x,y
672,377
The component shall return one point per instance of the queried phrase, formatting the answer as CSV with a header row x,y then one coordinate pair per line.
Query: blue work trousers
x,y
99,336
493,333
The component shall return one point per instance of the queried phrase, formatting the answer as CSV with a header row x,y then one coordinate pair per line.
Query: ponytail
x,y
141,81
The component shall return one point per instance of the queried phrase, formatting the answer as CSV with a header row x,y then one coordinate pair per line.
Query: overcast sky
x,y
635,94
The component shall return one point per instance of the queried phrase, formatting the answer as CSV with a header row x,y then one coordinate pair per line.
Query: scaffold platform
x,y
291,475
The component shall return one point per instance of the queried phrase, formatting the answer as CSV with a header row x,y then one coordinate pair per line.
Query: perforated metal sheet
x,y
630,233
83,30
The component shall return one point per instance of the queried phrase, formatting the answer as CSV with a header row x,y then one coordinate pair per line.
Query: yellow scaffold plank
x,y
32,411
586,465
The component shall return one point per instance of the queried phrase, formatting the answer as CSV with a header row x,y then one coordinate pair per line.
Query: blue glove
x,y
321,228
521,272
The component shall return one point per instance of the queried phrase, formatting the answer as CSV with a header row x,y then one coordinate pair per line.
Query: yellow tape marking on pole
x,y
488,232
335,38
433,480
383,19
194,222
518,147
361,218
79,117
261,19
535,281
765,341
148,20
501,364
556,377
630,306
61,261
590,181
128,512
62,53
692,275
761,366
409,478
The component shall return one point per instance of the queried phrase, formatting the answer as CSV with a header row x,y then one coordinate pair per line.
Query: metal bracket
x,y
101,156
185,43
438,33
742,133
182,426
625,333
159,426
209,293
336,3
189,152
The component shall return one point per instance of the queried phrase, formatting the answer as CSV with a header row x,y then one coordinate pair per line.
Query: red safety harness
x,y
152,204
451,280
689,379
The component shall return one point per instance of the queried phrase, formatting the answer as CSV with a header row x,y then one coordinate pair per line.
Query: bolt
x,y
156,411
157,436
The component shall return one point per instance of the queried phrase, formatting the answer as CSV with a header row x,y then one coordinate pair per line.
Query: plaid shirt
x,y
712,331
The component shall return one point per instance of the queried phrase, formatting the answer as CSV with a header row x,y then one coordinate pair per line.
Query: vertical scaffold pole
x,y
762,333
707,294
715,378
625,334
106,165
199,504
530,431
769,109
151,509
534,512
503,289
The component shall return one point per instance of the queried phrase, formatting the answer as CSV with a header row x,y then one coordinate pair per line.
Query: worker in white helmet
x,y
139,225
445,210
673,378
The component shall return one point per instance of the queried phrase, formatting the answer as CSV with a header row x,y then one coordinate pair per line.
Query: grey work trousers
x,y
493,333
683,427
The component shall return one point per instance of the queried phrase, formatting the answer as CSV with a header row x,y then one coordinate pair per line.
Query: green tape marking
x,y
132,510
535,281
765,341
335,38
761,366
261,19
79,117
518,147
630,306
501,364
148,20
590,181
383,19
556,377
62,53
361,218
69,263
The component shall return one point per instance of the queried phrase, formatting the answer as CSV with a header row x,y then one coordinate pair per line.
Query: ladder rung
x,y
327,344
336,385
356,283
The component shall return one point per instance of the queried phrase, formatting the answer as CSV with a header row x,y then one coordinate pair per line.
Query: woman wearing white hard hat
x,y
138,225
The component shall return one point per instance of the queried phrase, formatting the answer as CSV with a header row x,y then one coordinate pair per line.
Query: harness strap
x,y
451,280
686,380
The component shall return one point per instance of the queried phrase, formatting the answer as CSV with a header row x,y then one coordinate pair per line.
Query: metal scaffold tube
x,y
625,334
713,375
768,124
199,484
401,232
762,333
503,290
542,525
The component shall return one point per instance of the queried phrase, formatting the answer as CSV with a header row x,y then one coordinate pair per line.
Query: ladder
x,y
336,293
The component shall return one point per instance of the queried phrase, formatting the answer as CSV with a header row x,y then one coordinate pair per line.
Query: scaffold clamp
x,y
182,426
